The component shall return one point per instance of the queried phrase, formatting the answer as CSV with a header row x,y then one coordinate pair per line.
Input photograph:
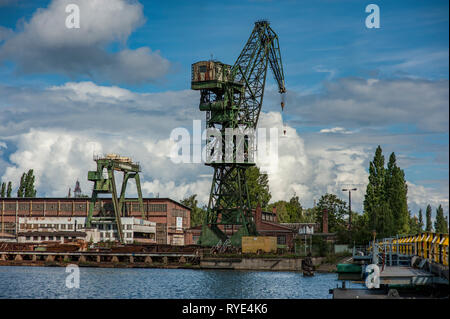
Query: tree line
x,y
440,224
26,187
385,202
385,208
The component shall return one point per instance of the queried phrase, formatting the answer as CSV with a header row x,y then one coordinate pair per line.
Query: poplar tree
x,y
414,227
396,192
429,226
30,191
3,190
376,204
440,225
21,189
420,220
9,190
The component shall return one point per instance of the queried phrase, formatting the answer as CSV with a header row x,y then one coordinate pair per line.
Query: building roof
x,y
89,198
274,226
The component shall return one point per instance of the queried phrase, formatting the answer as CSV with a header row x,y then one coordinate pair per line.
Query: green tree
x,y
360,234
376,204
288,212
22,186
420,220
440,225
197,213
309,215
30,191
9,190
282,213
258,187
3,190
428,226
294,210
414,225
396,192
337,210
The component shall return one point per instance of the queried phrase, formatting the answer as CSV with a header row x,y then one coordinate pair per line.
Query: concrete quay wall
x,y
280,264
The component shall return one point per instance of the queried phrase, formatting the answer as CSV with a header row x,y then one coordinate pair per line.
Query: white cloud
x,y
311,171
339,130
85,106
357,102
46,45
322,69
83,91
172,190
5,33
420,196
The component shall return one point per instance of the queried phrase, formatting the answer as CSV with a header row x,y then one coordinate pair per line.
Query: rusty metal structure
x,y
232,98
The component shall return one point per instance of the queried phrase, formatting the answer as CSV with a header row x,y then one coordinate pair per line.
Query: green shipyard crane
x,y
105,183
232,98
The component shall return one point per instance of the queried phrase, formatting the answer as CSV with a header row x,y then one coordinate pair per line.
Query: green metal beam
x,y
107,185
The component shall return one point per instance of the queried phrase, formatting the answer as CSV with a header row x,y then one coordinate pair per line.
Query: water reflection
x,y
49,282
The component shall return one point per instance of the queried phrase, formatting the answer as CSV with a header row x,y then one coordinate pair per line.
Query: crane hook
x,y
283,99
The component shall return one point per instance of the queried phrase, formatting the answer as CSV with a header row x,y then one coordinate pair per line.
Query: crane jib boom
x,y
232,98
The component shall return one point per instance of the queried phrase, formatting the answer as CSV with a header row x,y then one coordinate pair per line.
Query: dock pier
x,y
414,266
98,259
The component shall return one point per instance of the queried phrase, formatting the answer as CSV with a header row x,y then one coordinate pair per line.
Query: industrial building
x,y
266,225
169,218
61,229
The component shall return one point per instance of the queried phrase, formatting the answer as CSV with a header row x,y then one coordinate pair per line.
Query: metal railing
x,y
427,245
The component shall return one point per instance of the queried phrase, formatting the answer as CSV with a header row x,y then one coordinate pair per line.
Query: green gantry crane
x,y
232,98
105,183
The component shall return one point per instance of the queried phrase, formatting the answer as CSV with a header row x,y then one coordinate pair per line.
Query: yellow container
x,y
260,243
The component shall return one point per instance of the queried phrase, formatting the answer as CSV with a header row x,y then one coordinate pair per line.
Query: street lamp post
x,y
349,205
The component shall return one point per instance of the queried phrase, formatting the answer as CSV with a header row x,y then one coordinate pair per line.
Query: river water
x,y
153,283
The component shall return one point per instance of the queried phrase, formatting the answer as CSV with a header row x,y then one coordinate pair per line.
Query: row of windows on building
x,y
58,238
113,226
47,238
53,226
112,236
72,226
68,207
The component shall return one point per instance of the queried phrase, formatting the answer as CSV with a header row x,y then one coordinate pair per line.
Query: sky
x,y
121,84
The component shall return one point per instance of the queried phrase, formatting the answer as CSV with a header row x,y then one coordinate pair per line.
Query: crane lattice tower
x,y
232,98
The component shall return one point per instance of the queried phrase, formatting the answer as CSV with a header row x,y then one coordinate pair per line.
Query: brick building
x,y
172,218
266,225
